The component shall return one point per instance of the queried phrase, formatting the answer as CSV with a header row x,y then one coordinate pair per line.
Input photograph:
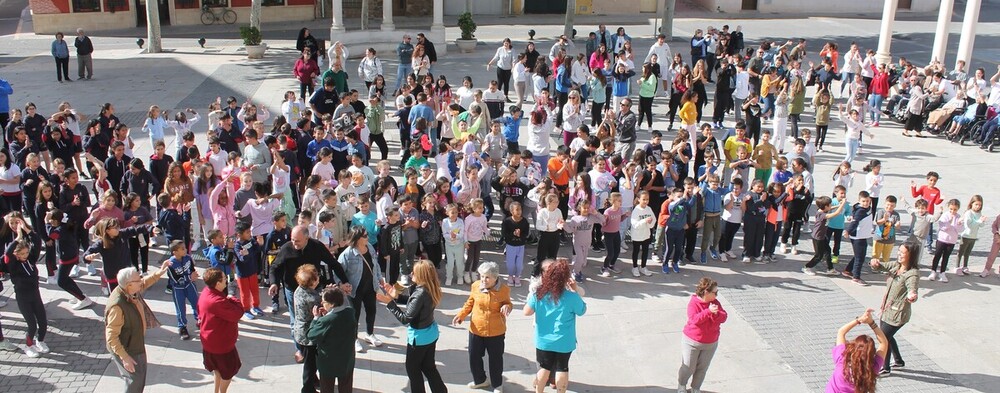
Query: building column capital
x,y
883,55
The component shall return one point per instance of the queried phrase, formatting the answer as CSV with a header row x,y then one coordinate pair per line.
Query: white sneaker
x,y
5,345
731,254
959,272
943,277
646,272
51,280
784,248
624,247
373,340
468,278
30,351
41,347
76,271
605,274
498,389
358,347
795,250
635,272
933,276
86,302
196,245
746,260
91,270
724,257
831,272
809,271
966,270
474,385
449,281
152,242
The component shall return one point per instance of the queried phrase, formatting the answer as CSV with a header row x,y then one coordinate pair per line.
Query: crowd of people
x,y
300,206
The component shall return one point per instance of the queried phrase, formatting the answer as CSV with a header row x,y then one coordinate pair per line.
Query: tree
x,y
364,14
667,19
153,36
255,13
570,14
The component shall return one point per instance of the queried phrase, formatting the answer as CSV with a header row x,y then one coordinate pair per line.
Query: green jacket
x,y
375,116
334,335
895,308
339,80
798,103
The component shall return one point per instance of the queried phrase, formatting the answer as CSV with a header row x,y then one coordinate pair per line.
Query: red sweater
x,y
304,70
930,194
219,324
880,84
703,326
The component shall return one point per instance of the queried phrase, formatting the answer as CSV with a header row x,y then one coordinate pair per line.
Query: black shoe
x,y
899,364
184,334
689,259
884,372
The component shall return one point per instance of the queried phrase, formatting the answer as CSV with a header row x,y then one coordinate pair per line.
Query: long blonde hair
x,y
425,275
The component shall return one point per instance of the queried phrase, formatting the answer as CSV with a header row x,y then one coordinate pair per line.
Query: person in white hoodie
x,y
663,57
542,123
642,221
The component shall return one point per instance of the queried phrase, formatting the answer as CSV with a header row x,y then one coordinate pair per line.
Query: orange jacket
x,y
661,220
487,320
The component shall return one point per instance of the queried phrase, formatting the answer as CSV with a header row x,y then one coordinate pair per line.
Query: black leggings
x,y
729,230
548,246
596,113
33,311
795,117
367,299
433,252
821,135
561,99
67,283
379,139
890,334
941,254
503,78
139,253
62,69
793,229
472,260
420,364
646,108
640,248
675,103
305,87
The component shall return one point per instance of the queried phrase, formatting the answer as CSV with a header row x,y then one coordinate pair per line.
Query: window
x,y
86,6
115,5
269,3
186,4
214,3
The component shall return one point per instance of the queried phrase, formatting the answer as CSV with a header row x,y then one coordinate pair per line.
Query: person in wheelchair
x,y
965,120
988,132
939,118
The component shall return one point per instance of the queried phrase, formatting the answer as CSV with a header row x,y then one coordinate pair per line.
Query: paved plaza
x,y
782,323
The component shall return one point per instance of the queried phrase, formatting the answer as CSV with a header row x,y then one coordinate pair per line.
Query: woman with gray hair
x,y
127,318
489,303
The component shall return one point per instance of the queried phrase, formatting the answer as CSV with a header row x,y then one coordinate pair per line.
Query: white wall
x,y
479,7
817,6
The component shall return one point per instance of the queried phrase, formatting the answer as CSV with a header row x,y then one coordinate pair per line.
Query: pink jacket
x,y
100,213
949,226
224,216
703,326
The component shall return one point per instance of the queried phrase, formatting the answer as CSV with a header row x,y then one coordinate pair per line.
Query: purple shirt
x,y
839,384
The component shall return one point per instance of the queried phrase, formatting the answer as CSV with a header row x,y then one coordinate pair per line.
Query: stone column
x,y
387,24
438,15
968,39
883,55
941,34
437,29
337,24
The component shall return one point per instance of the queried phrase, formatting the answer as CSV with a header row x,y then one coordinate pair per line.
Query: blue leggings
x,y
514,256
189,293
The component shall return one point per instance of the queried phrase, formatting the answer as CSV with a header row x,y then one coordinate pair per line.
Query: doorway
x,y
140,12
545,7
749,5
904,4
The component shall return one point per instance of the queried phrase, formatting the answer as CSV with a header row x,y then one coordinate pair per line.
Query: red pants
x,y
249,293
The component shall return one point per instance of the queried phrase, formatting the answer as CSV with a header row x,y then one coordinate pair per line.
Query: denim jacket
x,y
354,263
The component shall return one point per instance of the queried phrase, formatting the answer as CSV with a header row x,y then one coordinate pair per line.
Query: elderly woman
x,y
359,263
219,325
332,332
127,318
305,298
489,303
701,334
900,293
556,304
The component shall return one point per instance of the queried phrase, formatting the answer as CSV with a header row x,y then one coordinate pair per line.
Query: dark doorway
x,y
904,4
545,7
140,12
749,5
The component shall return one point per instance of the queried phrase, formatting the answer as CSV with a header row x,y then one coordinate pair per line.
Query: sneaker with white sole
x,y
249,316
795,250
41,347
498,389
959,272
635,272
646,272
724,257
86,302
965,270
91,269
784,248
943,277
732,255
5,345
358,347
52,280
831,272
467,278
75,272
274,308
932,277
257,311
605,273
373,340
474,385
808,271
31,352
746,260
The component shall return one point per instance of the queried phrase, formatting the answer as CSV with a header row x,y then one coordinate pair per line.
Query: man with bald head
x,y
301,250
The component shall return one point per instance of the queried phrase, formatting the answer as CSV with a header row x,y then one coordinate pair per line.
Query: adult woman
x,y
572,113
489,303
306,41
305,299
305,72
369,68
555,304
333,330
420,62
530,61
60,52
900,293
521,77
857,361
10,184
879,89
598,97
680,85
701,334
422,332
647,90
359,264
580,75
219,325
504,58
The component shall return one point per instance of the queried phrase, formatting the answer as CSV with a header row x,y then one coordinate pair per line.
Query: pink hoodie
x,y
224,216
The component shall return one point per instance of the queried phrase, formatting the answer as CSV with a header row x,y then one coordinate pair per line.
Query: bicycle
x,y
208,15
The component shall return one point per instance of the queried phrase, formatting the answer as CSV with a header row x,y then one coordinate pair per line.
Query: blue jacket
x,y
354,265
246,265
171,223
619,85
679,210
511,128
314,146
5,91
179,273
564,81
60,50
217,258
421,110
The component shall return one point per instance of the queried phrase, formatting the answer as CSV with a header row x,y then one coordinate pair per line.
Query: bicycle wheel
x,y
207,17
229,17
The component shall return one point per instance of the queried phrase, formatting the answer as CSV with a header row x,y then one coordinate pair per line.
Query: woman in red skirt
x,y
219,324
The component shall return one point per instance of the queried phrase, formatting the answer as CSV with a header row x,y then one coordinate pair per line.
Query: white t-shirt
x,y
735,213
10,174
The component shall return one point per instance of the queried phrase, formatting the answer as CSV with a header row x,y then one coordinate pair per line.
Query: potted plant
x,y
252,42
467,43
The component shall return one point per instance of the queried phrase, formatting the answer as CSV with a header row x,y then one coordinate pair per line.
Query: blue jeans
x,y
189,293
289,300
845,79
860,247
875,101
767,104
852,149
401,73
514,256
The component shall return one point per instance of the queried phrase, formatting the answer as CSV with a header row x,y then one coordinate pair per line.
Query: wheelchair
x,y
969,131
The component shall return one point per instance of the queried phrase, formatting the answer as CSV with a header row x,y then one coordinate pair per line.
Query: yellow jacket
x,y
487,320
688,113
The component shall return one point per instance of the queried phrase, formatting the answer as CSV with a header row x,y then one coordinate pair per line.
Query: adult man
x,y
324,101
126,322
711,39
625,126
755,66
699,43
603,36
562,44
798,53
432,55
84,49
301,250
405,51
663,58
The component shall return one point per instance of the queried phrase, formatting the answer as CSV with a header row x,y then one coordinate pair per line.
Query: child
x,y
311,199
950,224
74,202
219,257
182,275
741,167
281,182
19,257
860,230
416,159
780,122
136,214
411,237
973,219
643,221
602,182
514,231
679,208
822,103
549,223
930,193
994,249
920,222
613,217
874,181
113,248
836,224
777,212
260,210
453,229
887,222
764,155
821,234
754,222
430,230
713,196
476,229
219,203
511,127
391,245
366,217
324,168
62,231
494,143
732,218
798,209
844,176
170,221
248,264
581,226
